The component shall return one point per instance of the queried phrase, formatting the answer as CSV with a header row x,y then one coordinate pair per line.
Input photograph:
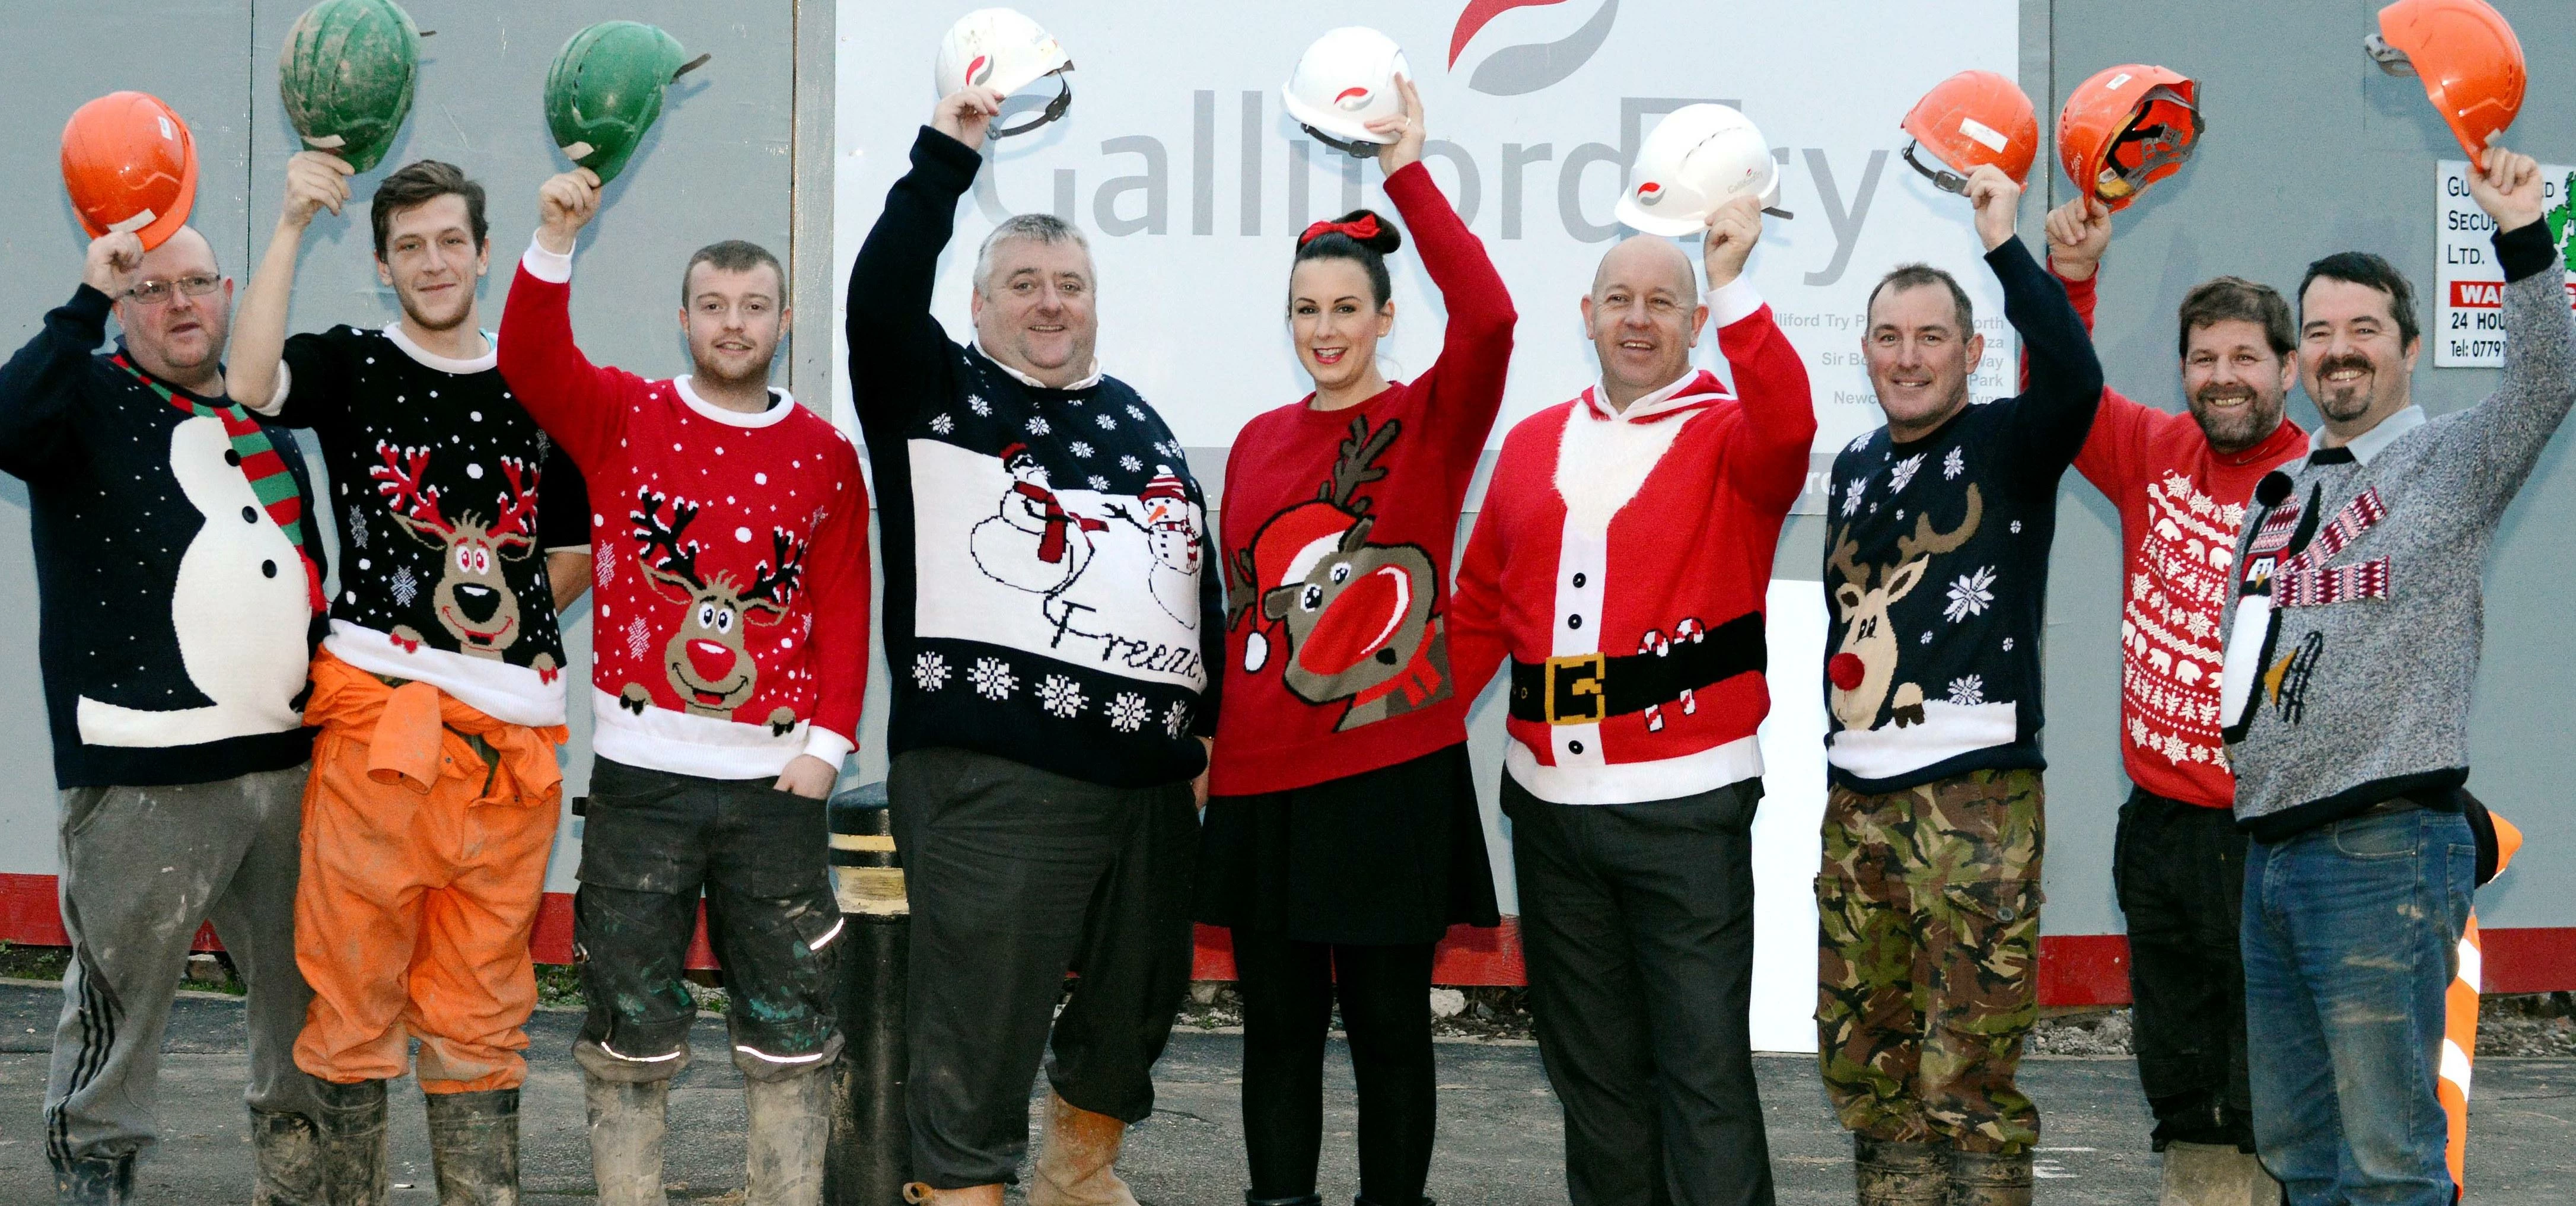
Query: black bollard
x,y
870,1155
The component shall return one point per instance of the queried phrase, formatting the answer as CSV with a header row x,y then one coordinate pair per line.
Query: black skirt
x,y
1384,857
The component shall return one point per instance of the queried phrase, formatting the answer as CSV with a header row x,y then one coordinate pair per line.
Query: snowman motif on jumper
x,y
1032,542
240,607
1172,534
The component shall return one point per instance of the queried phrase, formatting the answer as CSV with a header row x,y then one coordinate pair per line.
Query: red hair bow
x,y
1362,228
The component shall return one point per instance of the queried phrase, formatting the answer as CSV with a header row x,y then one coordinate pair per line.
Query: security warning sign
x,y
2468,305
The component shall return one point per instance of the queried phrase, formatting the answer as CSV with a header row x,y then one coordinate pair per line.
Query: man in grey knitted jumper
x,y
2352,643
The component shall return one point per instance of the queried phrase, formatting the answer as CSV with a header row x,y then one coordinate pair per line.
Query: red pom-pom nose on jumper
x,y
1845,670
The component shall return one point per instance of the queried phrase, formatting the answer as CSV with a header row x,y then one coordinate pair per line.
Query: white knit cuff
x,y
277,397
827,745
551,266
1734,303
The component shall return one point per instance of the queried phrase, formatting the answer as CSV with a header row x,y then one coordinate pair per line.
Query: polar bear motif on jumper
x,y
240,606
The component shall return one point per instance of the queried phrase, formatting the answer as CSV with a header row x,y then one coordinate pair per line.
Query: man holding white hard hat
x,y
1631,608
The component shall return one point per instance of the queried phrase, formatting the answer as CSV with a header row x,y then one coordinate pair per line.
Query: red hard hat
x,y
130,164
2470,62
2126,128
1970,120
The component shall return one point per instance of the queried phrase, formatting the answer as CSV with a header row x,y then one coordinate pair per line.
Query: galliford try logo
x,y
1514,70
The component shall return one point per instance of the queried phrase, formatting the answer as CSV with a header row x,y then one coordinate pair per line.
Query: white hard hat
x,y
1001,49
1698,158
1342,83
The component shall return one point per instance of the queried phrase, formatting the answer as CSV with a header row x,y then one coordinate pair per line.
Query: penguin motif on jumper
x,y
1032,542
240,605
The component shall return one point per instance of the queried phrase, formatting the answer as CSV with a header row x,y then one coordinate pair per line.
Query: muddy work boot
x,y
286,1155
626,1127
2208,1174
94,1181
1987,1179
1077,1159
474,1146
921,1194
350,1139
1889,1173
791,1122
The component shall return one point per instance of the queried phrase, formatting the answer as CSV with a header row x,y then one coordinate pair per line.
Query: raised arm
x,y
40,386
2079,233
899,355
2048,420
580,404
1770,379
2503,435
1466,382
315,181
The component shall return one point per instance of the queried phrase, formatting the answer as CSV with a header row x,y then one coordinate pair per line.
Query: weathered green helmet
x,y
346,75
605,90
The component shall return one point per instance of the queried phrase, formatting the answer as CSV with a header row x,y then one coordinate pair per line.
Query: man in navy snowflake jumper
x,y
1936,553
1055,624
178,572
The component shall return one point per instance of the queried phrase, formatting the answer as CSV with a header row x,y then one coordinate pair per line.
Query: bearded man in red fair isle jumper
x,y
2181,482
1621,563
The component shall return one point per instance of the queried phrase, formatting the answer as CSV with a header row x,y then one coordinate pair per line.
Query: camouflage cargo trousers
x,y
1928,931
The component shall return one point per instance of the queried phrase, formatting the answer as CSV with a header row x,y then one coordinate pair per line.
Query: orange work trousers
x,y
423,864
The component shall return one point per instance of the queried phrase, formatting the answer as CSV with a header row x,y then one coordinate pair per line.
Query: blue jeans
x,y
2350,938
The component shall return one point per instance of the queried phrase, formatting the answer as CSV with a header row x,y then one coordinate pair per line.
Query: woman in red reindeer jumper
x,y
1342,838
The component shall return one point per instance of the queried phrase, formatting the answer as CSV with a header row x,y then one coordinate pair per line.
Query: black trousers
x,y
1018,876
1637,922
651,842
1288,992
2179,872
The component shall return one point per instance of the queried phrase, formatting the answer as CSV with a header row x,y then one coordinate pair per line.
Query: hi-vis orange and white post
x,y
2460,1021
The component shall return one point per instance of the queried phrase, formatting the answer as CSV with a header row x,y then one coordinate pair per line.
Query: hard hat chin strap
x,y
2390,59
1348,146
1054,108
1948,182
2160,145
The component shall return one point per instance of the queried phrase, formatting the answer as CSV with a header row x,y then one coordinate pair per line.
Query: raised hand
x,y
315,181
1997,200
2078,233
565,204
967,114
2508,189
112,261
1733,229
1407,127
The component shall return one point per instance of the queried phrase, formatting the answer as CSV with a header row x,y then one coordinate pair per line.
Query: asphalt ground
x,y
1500,1134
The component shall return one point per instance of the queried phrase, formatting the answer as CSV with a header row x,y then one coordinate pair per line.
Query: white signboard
x,y
1179,162
2468,304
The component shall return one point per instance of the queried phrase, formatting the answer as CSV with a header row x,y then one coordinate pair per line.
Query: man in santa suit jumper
x,y
1621,563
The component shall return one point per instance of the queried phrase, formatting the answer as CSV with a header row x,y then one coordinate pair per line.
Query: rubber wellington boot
x,y
474,1146
1365,1200
351,1135
95,1181
286,1154
1900,1174
1312,1199
921,1194
1987,1179
791,1122
1077,1159
626,1127
2208,1174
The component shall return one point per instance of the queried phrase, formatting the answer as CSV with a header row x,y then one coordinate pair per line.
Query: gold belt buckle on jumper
x,y
1574,693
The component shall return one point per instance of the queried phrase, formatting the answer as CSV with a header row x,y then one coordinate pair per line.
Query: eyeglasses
x,y
153,293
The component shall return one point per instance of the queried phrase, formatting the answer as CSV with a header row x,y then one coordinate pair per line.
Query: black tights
x,y
1288,992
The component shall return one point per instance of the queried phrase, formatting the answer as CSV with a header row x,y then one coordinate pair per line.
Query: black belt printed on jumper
x,y
1586,688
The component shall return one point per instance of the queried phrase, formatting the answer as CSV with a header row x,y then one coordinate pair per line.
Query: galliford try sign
x,y
1180,163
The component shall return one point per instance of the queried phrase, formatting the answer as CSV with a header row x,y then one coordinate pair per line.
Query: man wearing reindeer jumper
x,y
732,580
1621,564
1937,540
2352,643
440,689
1055,619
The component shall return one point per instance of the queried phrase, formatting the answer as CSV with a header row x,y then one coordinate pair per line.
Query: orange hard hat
x,y
2470,62
130,164
2126,128
1970,120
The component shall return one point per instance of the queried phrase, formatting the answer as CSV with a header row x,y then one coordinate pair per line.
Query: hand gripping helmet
x,y
1342,83
605,90
2126,128
130,165
1968,121
2468,58
346,75
1698,158
1000,49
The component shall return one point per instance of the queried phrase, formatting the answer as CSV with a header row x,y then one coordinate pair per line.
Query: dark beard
x,y
2342,406
2241,428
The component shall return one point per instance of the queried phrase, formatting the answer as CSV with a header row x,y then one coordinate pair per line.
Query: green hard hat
x,y
605,90
346,75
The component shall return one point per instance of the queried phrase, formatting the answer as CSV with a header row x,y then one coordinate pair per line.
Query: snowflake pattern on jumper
x,y
1083,450
942,424
355,530
1130,464
976,403
1106,423
1968,691
639,637
1061,697
1971,594
1903,474
1954,464
1097,482
1038,426
1176,720
404,586
1136,414
930,671
993,679
1851,495
1127,713
604,565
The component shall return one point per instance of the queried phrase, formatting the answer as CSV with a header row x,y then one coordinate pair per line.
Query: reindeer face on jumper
x,y
1863,671
708,661
473,600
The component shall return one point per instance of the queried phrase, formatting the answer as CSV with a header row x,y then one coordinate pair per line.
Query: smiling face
x,y
180,340
1919,358
2354,362
733,320
1034,311
1643,316
1335,320
433,262
2235,383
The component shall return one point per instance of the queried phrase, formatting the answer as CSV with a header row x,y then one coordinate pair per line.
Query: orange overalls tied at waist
x,y
426,830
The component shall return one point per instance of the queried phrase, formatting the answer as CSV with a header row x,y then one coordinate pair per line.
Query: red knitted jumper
x,y
732,555
1609,535
1338,528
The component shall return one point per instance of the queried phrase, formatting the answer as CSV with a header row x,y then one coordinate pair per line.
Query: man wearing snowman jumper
x,y
179,578
1055,629
439,691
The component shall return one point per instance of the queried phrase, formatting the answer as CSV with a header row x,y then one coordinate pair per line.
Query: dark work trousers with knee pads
x,y
652,842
